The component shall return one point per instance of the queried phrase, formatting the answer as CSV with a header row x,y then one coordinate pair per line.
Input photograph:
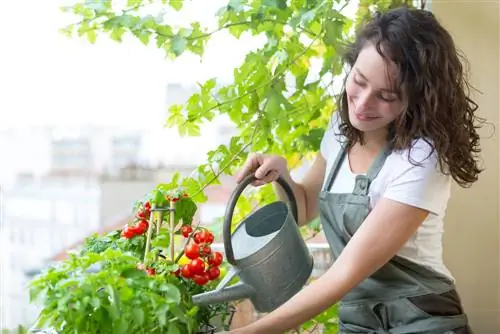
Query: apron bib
x,y
402,297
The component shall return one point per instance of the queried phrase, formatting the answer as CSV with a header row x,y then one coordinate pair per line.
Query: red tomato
x,y
197,266
139,228
186,271
215,259
151,271
192,251
208,237
213,272
186,231
200,279
198,237
127,233
206,250
147,206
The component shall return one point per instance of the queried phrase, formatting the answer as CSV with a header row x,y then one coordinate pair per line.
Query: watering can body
x,y
267,253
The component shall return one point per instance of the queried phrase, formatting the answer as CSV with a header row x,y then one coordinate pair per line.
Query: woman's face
x,y
373,103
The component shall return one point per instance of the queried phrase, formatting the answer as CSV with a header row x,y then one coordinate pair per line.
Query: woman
x,y
405,129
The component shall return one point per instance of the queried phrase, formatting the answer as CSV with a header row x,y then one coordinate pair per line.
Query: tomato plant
x,y
134,280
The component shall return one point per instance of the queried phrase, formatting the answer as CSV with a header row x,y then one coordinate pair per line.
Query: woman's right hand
x,y
266,168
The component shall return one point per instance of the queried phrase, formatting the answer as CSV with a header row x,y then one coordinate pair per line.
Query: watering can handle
x,y
228,217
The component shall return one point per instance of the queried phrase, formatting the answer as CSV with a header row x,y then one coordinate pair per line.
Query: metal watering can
x,y
267,253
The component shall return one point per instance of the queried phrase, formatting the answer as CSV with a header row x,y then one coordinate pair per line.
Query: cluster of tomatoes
x,y
141,223
204,263
175,198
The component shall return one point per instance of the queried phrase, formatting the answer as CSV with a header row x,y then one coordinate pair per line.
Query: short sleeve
x,y
420,184
329,142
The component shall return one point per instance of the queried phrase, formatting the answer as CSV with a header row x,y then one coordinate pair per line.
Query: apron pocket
x,y
357,318
403,312
445,304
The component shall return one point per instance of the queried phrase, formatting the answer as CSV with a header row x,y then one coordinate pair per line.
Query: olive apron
x,y
401,297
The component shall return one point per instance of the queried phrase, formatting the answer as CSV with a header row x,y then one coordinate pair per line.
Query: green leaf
x,y
133,273
192,129
133,3
173,329
178,45
138,316
162,240
144,37
235,5
91,36
171,292
114,302
176,4
333,32
117,33
121,326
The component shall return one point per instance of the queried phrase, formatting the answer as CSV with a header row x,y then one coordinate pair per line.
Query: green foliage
x,y
19,330
281,97
78,299
119,283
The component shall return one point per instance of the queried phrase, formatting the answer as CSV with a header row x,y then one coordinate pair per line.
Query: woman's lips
x,y
365,117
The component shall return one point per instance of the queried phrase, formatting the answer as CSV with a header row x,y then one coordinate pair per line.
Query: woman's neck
x,y
374,140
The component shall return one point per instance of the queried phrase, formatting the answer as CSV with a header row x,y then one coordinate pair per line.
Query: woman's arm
x,y
306,191
381,235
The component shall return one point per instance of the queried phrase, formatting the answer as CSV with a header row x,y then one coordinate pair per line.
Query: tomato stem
x,y
150,232
158,226
172,226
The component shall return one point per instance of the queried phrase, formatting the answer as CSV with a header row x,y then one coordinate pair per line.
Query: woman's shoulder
x,y
420,153
414,177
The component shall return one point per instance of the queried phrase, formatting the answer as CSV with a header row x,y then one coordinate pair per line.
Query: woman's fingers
x,y
252,163
265,168
271,176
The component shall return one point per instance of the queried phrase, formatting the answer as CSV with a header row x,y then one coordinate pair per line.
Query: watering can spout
x,y
226,294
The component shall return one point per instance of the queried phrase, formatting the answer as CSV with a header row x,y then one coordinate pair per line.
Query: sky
x,y
48,78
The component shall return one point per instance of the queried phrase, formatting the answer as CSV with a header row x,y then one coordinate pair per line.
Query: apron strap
x,y
334,170
378,163
362,181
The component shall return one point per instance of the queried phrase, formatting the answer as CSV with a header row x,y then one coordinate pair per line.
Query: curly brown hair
x,y
437,105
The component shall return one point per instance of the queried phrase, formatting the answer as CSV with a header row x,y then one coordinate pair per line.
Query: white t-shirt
x,y
422,186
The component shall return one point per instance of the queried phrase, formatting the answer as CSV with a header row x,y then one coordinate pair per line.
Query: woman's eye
x,y
387,98
357,82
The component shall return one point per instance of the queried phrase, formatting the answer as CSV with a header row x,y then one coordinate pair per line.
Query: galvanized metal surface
x,y
267,252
